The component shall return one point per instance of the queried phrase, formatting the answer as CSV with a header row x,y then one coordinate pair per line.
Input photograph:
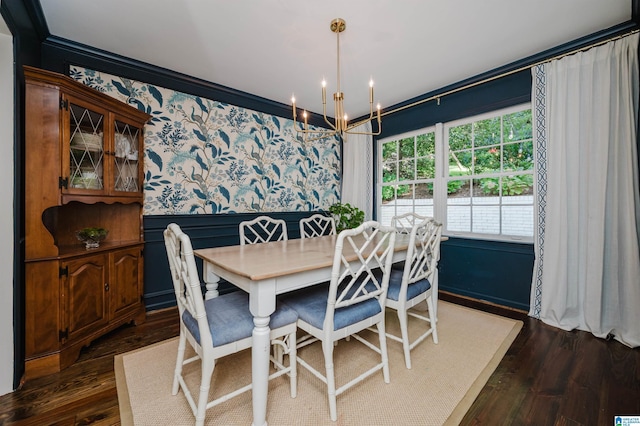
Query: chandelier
x,y
341,125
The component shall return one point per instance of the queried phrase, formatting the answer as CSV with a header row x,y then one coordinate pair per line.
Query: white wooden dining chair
x,y
317,225
352,302
413,284
262,229
405,222
217,327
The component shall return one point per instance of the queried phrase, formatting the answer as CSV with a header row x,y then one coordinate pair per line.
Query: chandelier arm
x,y
349,132
310,131
322,133
326,120
317,138
325,133
366,120
335,129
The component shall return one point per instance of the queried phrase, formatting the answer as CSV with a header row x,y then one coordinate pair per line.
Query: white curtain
x,y
587,269
357,172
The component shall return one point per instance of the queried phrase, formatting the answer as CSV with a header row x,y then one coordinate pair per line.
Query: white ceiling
x,y
279,47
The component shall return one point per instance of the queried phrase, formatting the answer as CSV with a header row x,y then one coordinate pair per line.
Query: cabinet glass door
x,y
127,153
86,148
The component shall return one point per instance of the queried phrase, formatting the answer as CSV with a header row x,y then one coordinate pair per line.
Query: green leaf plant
x,y
346,216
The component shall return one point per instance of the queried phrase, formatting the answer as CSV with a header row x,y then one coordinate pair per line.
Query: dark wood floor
x,y
548,377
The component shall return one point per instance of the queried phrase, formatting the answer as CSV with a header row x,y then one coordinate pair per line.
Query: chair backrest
x,y
186,281
423,252
367,276
404,223
262,229
317,225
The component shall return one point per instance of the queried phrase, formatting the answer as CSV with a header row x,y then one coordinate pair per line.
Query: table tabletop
x,y
267,260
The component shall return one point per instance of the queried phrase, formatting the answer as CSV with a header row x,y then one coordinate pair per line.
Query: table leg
x,y
262,303
260,369
211,280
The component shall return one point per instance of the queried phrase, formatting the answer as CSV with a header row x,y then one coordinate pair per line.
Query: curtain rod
x,y
487,80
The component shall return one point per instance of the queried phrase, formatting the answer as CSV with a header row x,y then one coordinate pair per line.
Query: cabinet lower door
x,y
85,290
125,281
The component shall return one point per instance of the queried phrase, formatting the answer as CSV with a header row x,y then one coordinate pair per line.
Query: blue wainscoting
x,y
497,272
205,231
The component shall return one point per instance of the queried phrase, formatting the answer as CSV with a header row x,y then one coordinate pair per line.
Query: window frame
x,y
399,182
441,179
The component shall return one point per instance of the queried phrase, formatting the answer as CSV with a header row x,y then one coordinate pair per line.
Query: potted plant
x,y
346,216
92,236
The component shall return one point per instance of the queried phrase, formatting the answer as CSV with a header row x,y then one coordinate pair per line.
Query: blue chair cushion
x,y
230,319
413,290
311,306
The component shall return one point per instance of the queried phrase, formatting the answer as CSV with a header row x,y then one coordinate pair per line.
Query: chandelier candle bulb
x,y
324,92
293,104
371,91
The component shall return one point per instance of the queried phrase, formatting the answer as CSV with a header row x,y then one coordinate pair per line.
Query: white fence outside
x,y
517,214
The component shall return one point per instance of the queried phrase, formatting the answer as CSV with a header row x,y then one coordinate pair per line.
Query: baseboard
x,y
483,305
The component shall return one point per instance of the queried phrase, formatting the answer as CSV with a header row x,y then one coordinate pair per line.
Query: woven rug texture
x,y
444,380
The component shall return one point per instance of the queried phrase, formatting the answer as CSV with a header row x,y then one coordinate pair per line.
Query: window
x,y
408,175
483,185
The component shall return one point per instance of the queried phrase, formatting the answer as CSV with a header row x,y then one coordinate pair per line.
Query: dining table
x,y
266,270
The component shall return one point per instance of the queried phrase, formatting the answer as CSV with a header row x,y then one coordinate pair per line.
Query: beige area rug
x,y
439,389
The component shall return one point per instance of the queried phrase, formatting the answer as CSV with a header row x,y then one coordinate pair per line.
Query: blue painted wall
x,y
496,272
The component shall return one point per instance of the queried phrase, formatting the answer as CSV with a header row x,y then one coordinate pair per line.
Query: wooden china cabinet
x,y
83,168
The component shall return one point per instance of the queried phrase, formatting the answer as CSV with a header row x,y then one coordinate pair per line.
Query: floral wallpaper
x,y
208,157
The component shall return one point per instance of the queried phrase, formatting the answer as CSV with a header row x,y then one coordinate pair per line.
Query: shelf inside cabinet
x,y
122,221
106,245
80,148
